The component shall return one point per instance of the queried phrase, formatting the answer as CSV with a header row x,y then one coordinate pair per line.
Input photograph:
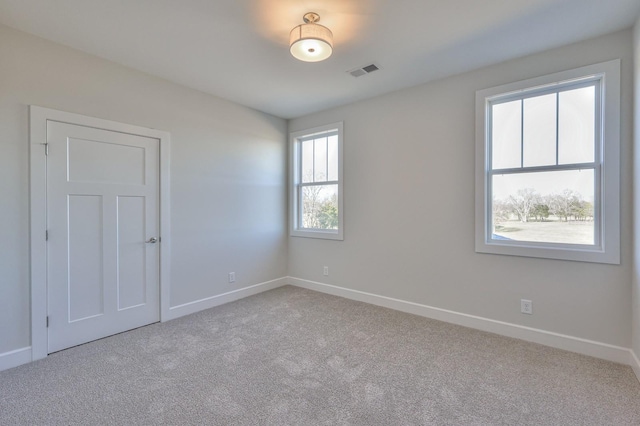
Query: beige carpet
x,y
296,357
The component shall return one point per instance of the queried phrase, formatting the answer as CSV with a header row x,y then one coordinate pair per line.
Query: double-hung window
x,y
548,166
316,183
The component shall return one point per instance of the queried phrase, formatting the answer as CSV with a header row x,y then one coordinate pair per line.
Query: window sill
x,y
573,253
323,235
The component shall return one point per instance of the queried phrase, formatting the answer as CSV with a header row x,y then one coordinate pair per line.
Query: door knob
x,y
152,240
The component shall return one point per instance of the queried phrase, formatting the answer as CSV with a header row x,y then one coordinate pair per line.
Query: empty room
x,y
353,212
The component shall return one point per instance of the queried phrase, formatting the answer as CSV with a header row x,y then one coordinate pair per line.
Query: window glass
x,y
316,188
307,161
539,131
320,207
332,153
506,134
320,160
553,203
577,126
553,207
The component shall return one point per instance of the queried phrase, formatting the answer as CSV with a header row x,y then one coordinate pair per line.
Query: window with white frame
x,y
548,166
316,182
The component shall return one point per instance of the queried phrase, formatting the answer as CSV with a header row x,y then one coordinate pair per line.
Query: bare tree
x,y
565,204
524,202
311,204
501,211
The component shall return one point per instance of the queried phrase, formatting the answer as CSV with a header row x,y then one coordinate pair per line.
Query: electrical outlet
x,y
326,271
526,306
232,277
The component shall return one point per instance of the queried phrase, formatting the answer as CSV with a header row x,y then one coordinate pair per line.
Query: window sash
x,y
596,165
328,134
557,88
313,137
546,89
300,185
318,135
300,190
597,197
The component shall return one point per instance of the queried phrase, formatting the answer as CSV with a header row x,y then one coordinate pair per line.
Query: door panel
x,y
85,283
131,254
96,161
102,205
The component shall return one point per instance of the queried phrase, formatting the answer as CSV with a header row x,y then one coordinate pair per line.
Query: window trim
x,y
296,138
607,161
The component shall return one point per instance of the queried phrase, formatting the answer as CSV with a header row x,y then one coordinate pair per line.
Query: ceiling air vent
x,y
358,72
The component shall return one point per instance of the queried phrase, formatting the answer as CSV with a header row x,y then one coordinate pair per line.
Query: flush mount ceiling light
x,y
311,42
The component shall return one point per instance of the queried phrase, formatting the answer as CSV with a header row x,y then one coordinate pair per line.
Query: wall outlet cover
x,y
526,306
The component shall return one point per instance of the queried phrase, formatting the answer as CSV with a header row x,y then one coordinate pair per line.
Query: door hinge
x,y
46,235
46,148
47,321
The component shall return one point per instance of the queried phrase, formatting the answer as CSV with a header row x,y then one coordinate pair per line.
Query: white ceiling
x,y
238,49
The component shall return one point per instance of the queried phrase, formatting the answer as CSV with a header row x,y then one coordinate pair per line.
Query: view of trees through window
x,y
527,215
319,187
320,207
543,166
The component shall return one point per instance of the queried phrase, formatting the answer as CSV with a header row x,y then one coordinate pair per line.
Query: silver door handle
x,y
152,240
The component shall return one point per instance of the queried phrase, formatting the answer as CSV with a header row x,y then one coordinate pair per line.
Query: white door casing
x,y
99,189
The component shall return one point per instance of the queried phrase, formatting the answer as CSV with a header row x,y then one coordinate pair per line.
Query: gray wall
x,y
228,171
409,208
636,196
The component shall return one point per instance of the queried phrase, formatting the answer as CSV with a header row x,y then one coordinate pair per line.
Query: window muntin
x,y
542,188
316,184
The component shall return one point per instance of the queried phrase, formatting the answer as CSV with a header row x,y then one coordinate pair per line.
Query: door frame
x,y
38,118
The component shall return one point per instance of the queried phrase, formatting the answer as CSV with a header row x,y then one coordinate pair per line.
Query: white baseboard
x,y
220,299
635,363
561,341
574,344
15,358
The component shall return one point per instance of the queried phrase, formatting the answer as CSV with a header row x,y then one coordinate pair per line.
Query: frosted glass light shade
x,y
311,42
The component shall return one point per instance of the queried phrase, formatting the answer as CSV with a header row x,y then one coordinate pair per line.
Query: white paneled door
x,y
102,249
